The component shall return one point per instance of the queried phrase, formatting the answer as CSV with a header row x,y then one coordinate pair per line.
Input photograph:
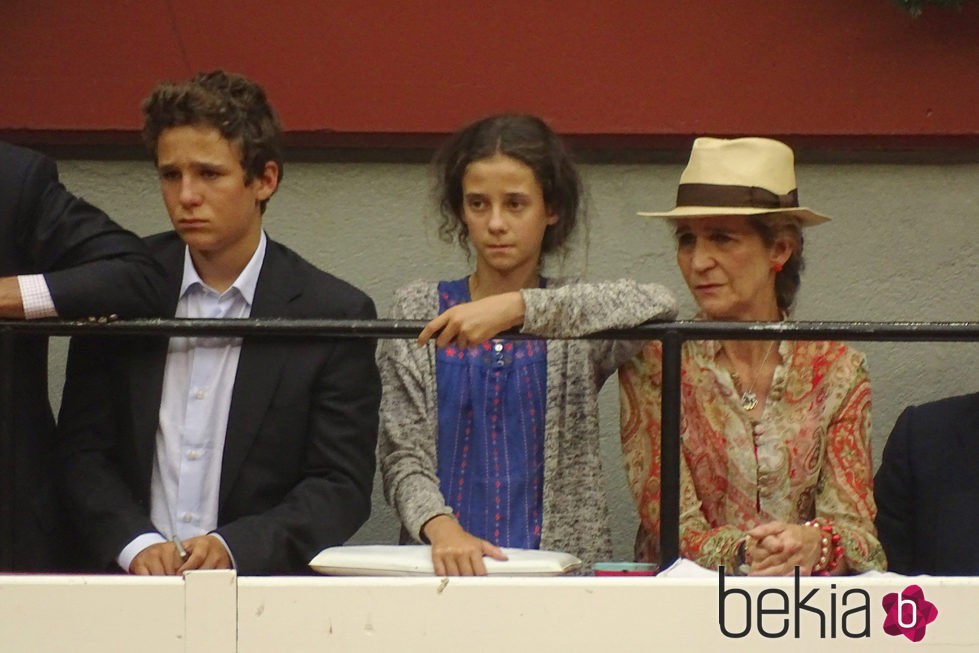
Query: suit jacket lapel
x,y
259,366
146,385
147,363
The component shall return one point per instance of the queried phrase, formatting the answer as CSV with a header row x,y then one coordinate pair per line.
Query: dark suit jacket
x,y
298,462
927,489
92,266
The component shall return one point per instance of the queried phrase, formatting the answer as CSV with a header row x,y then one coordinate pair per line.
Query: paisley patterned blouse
x,y
807,456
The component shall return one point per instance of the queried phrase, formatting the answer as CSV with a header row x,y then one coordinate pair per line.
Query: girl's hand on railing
x,y
473,323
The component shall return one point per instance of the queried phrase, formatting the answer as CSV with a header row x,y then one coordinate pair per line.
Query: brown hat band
x,y
735,196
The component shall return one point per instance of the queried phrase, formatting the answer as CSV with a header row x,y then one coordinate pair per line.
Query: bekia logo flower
x,y
908,613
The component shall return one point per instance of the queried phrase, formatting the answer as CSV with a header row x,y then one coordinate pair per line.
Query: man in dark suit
x,y
927,489
59,256
208,453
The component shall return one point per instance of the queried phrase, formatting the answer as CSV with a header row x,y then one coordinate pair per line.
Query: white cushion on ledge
x,y
416,560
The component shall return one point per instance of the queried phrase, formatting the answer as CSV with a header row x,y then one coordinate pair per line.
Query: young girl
x,y
488,442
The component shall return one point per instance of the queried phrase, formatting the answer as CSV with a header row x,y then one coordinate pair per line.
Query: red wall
x,y
650,70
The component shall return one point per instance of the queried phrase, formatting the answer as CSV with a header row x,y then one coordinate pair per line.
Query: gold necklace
x,y
749,400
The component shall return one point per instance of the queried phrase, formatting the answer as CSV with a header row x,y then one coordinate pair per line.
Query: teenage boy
x,y
213,453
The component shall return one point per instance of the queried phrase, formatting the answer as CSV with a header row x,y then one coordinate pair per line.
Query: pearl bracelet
x,y
830,550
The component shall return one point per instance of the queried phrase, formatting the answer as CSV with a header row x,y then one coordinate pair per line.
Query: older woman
x,y
776,470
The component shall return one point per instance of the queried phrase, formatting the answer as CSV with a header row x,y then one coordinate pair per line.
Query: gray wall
x,y
902,246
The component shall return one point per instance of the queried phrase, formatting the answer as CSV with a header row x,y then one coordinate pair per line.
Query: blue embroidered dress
x,y
491,405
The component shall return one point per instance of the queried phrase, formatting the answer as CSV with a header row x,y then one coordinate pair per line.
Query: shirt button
x,y
498,347
200,394
187,517
193,454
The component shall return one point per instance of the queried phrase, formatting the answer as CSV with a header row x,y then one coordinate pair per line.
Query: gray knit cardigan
x,y
575,516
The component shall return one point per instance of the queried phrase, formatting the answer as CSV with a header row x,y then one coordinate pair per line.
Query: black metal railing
x,y
672,335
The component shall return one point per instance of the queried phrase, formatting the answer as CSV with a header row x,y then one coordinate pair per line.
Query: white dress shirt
x,y
198,379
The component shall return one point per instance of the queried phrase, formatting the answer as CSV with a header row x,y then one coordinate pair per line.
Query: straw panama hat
x,y
739,176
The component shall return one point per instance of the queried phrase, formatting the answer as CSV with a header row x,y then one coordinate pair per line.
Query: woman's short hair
x,y
527,139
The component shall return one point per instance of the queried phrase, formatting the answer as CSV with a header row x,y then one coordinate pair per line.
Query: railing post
x,y
7,462
669,531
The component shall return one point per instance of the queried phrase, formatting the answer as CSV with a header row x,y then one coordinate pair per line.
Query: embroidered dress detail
x,y
491,432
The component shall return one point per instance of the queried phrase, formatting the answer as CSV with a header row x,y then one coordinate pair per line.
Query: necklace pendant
x,y
749,400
